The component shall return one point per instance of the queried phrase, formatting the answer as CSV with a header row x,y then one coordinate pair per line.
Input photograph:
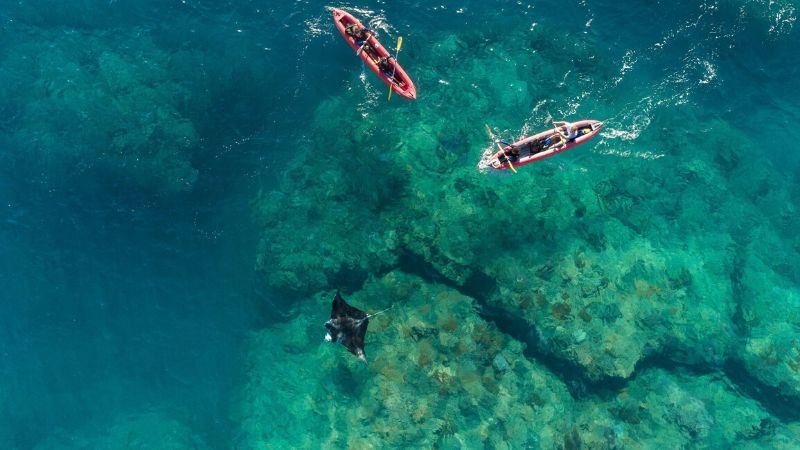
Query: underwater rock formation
x,y
770,313
606,310
441,376
434,379
348,210
93,108
663,410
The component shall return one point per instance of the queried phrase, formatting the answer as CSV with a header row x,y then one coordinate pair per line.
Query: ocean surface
x,y
184,185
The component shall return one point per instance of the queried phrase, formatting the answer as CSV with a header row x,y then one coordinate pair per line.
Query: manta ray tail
x,y
379,312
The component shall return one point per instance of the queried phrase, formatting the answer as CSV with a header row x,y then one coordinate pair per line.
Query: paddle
x,y
394,69
560,135
508,158
366,41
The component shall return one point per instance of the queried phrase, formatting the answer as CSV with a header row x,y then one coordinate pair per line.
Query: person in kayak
x,y
358,32
540,145
386,65
511,152
568,130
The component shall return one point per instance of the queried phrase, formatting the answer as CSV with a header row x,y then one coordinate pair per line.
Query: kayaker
x,y
555,140
357,32
511,152
568,130
386,66
540,144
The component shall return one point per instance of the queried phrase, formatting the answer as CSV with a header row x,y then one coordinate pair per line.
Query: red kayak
x,y
372,53
540,146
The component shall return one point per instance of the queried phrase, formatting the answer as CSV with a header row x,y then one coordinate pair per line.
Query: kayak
x,y
372,53
539,146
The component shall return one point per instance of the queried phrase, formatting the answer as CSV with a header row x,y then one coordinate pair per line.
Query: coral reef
x,y
663,410
606,310
438,376
90,107
346,205
770,312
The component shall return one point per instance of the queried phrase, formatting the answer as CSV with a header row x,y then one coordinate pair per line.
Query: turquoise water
x,y
184,185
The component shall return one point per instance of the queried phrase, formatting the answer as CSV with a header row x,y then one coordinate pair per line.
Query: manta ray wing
x,y
340,308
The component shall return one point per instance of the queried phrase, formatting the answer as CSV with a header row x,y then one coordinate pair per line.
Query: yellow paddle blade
x,y
399,43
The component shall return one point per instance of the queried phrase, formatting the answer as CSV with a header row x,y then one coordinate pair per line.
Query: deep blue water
x,y
118,300
122,291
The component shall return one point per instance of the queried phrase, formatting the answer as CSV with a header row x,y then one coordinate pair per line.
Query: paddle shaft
x,y
561,136
394,68
366,40
360,49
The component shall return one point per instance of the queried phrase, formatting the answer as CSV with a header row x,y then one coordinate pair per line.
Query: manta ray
x,y
348,326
